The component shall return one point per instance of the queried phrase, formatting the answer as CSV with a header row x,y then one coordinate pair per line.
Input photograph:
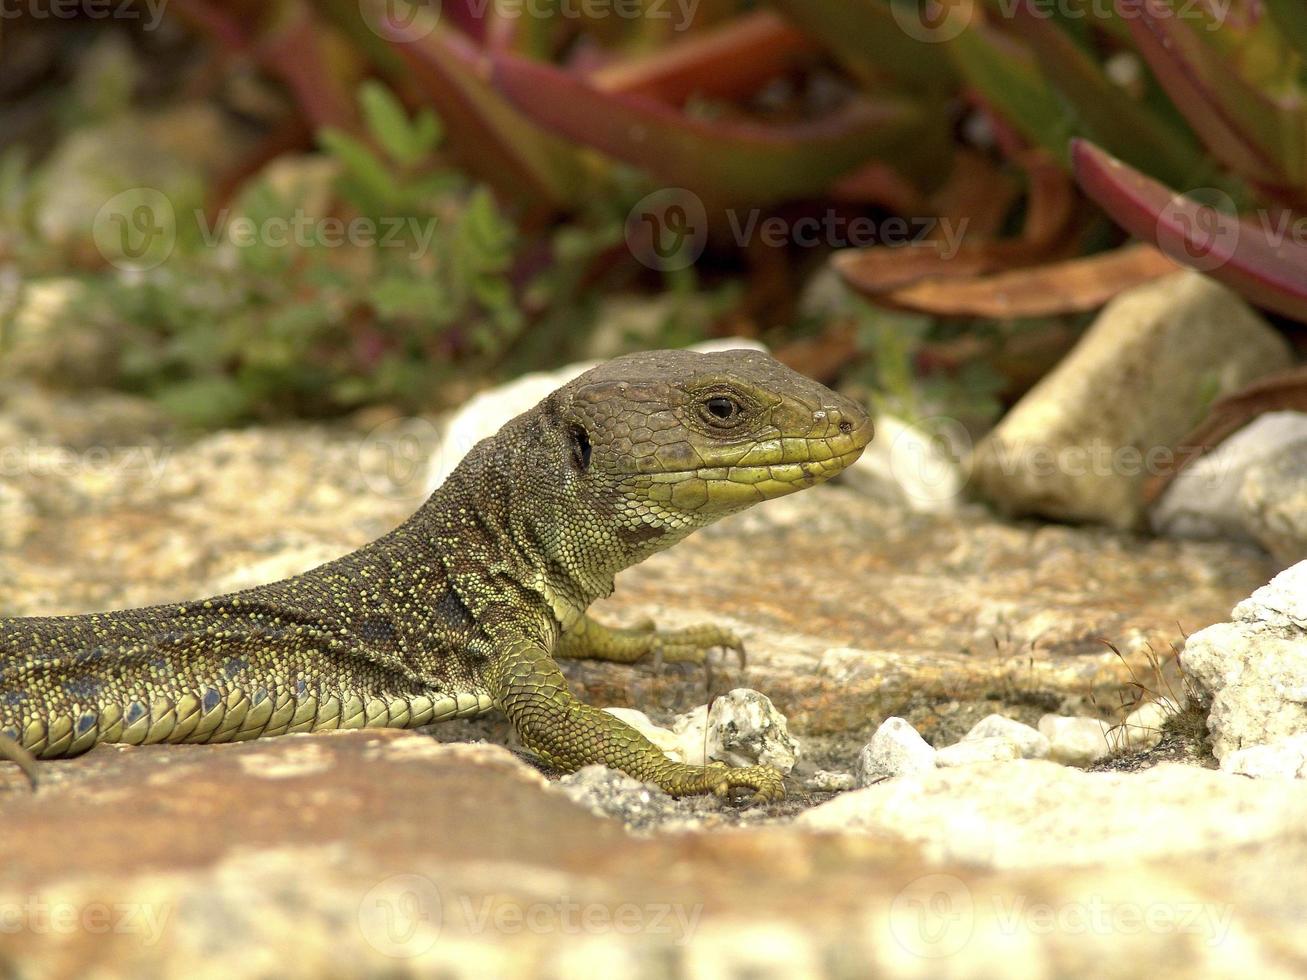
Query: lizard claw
x,y
723,781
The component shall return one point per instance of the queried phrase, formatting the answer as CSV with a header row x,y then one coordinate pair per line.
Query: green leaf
x,y
388,123
1291,17
371,178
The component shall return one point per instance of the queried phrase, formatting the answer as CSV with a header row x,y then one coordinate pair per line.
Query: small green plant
x,y
409,279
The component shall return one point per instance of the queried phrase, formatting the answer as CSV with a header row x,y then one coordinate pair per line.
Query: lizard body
x,y
464,607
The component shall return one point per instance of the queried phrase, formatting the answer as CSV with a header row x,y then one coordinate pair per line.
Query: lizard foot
x,y
692,644
11,751
722,781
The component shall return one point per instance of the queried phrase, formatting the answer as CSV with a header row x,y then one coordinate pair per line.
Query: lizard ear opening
x,y
581,447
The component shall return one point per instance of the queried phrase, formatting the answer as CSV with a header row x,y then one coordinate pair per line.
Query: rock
x,y
1273,502
907,467
1204,499
1076,741
1034,813
608,793
1031,743
974,751
1081,443
1284,758
1142,728
664,738
1254,669
386,854
741,728
895,750
825,781
484,414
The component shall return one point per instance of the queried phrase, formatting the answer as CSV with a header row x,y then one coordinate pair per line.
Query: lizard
x,y
467,606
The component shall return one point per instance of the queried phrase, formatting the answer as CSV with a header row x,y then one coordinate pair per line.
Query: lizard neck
x,y
503,542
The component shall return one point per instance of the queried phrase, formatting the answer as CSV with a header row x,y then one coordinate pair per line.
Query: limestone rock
x,y
1034,813
895,750
740,728
1254,669
608,793
974,751
908,467
1032,743
1076,741
1284,758
1204,499
1273,501
1081,443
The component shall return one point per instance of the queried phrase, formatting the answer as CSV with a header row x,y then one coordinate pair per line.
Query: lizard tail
x,y
13,752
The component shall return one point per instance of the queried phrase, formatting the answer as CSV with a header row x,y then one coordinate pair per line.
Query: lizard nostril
x,y
846,427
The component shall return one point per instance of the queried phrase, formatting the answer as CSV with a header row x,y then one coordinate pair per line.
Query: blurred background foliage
x,y
1042,156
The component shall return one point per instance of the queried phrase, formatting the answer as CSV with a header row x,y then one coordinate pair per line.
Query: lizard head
x,y
674,440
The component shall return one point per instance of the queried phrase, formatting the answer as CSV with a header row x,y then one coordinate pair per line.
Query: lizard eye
x,y
721,408
581,447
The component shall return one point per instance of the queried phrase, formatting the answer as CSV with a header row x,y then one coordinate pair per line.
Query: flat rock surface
x,y
390,852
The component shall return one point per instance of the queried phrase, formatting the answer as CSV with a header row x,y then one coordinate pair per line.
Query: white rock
x,y
1032,813
741,728
1031,742
1285,758
1081,443
665,739
1273,502
895,750
825,781
1142,728
912,468
974,751
1254,669
1204,500
1075,740
484,414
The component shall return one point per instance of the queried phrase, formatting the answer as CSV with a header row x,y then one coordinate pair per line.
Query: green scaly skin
x,y
464,607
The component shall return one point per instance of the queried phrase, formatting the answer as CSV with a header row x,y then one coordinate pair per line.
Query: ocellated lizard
x,y
465,606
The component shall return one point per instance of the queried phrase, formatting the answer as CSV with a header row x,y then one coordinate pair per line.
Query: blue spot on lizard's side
x,y
135,712
86,723
234,666
211,699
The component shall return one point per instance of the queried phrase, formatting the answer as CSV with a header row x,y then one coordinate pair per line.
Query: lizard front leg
x,y
593,640
529,688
